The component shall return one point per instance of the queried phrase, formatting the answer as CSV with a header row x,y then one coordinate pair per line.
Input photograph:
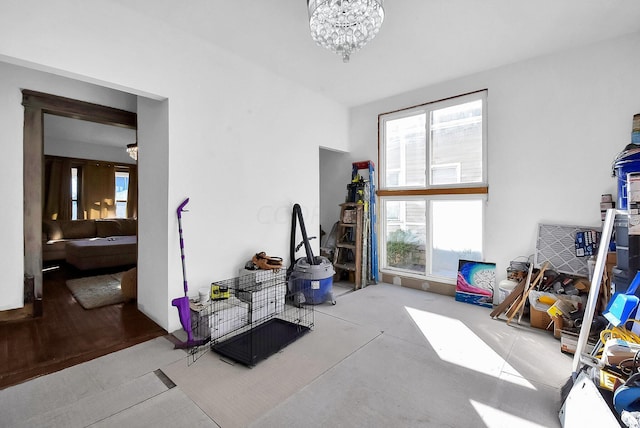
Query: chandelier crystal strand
x,y
344,26
132,150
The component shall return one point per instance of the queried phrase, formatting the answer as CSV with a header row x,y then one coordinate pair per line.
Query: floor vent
x,y
164,378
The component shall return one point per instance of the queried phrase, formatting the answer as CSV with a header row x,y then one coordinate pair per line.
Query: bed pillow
x,y
77,229
128,226
51,230
107,228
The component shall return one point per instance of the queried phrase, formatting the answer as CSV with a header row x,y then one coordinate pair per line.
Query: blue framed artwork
x,y
476,282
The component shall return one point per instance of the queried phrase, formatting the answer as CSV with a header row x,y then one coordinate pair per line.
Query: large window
x,y
433,186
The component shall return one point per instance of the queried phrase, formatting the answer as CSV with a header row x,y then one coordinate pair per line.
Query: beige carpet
x,y
235,396
97,291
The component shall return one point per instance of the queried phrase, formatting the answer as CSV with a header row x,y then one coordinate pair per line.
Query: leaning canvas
x,y
476,282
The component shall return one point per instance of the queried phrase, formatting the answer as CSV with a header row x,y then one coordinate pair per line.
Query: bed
x,y
106,252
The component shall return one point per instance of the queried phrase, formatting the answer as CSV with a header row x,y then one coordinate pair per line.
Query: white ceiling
x,y
422,42
80,131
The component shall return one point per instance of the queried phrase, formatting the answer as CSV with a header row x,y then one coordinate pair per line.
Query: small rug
x,y
97,291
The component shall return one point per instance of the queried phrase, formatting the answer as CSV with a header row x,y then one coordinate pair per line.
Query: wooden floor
x,y
67,334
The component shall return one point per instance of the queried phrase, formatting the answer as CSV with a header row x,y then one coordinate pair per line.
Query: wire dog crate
x,y
259,317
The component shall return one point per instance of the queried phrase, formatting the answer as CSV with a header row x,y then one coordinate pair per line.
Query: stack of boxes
x,y
606,202
264,291
627,226
227,316
255,296
627,251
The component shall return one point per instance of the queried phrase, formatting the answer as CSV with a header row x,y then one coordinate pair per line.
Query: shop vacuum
x,y
309,278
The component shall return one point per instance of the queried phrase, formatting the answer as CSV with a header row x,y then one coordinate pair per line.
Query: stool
x,y
129,284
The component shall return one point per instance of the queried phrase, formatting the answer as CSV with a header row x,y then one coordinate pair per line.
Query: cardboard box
x,y
349,216
606,205
558,323
617,350
587,242
538,316
539,319
569,342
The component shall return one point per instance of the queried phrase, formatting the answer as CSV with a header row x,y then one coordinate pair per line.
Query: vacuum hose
x,y
297,215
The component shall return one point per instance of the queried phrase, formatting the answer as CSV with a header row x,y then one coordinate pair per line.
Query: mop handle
x,y
184,271
181,207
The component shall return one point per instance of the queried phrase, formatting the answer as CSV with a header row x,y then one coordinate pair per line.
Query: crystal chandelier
x,y
344,26
132,149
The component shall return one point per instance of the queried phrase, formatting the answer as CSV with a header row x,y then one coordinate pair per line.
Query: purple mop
x,y
182,303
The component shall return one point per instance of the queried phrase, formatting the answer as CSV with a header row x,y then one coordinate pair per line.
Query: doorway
x,y
36,105
64,333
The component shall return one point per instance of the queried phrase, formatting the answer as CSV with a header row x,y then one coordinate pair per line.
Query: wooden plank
x,y
513,311
514,307
528,289
519,309
509,300
538,280
77,109
517,293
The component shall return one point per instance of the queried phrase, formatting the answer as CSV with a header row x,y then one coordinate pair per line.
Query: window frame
x,y
121,170
432,189
78,189
459,191
382,252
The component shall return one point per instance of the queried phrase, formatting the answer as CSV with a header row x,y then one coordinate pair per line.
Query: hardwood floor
x,y
68,334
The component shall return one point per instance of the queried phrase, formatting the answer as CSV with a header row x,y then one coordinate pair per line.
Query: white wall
x,y
238,143
335,174
154,264
555,125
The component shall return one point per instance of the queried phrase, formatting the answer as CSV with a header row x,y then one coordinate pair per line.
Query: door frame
x,y
36,104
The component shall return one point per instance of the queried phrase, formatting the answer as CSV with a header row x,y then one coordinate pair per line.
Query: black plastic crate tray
x,y
260,342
